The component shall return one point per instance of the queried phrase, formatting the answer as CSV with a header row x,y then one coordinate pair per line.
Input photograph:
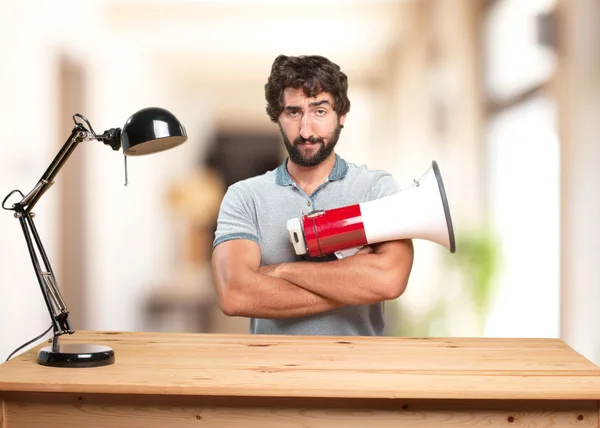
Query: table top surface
x,y
316,366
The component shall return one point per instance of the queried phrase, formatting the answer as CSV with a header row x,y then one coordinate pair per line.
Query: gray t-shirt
x,y
258,209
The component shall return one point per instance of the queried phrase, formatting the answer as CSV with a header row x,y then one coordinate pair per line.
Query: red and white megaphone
x,y
418,212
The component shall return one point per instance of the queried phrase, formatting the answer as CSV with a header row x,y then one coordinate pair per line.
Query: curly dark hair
x,y
314,74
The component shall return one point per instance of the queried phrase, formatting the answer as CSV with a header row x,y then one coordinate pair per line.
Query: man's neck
x,y
311,177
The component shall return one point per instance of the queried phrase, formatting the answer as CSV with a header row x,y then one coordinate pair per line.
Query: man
x,y
256,271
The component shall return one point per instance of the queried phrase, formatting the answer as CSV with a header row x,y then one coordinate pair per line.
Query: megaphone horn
x,y
419,212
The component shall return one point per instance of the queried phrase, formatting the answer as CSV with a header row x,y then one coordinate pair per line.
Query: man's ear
x,y
342,119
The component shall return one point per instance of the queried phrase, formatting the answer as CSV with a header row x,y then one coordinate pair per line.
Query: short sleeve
x,y
384,185
236,218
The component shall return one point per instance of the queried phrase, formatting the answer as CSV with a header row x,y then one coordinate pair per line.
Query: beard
x,y
322,153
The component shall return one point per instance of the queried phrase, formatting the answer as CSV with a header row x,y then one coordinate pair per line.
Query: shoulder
x,y
251,186
370,176
375,182
363,171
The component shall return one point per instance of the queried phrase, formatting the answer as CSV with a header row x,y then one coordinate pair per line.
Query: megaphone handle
x,y
347,253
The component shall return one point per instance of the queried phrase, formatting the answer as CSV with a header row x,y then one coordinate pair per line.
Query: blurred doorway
x,y
70,270
187,302
239,155
523,166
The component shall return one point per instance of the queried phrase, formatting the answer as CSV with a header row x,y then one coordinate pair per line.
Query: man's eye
x,y
293,113
321,112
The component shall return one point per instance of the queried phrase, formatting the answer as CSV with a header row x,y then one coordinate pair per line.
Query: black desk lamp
x,y
149,130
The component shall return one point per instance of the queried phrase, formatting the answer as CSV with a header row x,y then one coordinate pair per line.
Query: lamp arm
x,y
28,202
79,133
52,297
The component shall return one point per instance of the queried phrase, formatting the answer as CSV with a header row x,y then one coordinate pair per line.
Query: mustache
x,y
311,139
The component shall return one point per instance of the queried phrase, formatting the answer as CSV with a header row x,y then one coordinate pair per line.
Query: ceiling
x,y
209,42
223,50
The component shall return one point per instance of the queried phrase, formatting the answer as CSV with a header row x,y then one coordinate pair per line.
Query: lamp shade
x,y
151,130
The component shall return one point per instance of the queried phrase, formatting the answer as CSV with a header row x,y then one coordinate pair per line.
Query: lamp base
x,y
77,355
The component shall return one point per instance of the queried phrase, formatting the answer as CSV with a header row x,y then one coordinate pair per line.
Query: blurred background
x,y
503,94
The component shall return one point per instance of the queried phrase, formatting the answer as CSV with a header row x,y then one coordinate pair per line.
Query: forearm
x,y
357,280
262,296
352,280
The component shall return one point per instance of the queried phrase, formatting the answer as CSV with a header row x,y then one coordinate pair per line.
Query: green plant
x,y
476,261
477,257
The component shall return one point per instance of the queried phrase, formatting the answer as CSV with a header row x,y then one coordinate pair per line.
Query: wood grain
x,y
2,413
185,380
91,411
309,366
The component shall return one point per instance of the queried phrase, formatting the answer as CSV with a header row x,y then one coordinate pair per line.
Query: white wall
x,y
129,227
27,105
579,92
524,171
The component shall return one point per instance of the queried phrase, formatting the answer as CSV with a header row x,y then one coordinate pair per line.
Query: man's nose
x,y
306,130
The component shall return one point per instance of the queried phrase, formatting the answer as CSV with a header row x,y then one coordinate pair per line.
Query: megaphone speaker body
x,y
419,212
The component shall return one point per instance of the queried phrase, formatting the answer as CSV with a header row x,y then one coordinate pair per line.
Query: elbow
x,y
229,300
394,287
397,272
395,281
228,306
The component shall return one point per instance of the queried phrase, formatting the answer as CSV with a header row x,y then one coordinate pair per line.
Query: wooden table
x,y
210,380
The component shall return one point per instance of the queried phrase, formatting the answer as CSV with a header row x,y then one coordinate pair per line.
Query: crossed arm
x,y
304,288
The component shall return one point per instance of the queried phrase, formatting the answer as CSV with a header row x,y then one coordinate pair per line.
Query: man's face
x,y
310,126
